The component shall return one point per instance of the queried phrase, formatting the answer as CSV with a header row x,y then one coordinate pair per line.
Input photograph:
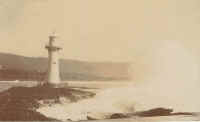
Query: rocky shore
x,y
20,103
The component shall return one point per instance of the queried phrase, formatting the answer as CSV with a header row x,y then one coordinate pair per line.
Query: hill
x,y
70,69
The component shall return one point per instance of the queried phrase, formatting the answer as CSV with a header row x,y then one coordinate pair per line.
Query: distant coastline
x,y
15,67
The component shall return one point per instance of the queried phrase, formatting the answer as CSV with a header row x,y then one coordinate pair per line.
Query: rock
x,y
183,113
118,116
22,115
155,112
91,118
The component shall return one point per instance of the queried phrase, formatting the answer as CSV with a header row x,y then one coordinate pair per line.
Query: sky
x,y
98,30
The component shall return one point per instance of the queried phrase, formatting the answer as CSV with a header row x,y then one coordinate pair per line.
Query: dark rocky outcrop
x,y
16,114
155,112
20,103
160,112
150,113
183,113
118,116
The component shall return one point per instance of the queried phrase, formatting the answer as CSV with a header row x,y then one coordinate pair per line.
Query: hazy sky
x,y
98,30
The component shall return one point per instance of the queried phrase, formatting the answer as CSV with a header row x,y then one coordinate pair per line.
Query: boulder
x,y
118,116
155,112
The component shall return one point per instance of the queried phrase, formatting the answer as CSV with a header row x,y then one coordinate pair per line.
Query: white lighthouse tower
x,y
53,74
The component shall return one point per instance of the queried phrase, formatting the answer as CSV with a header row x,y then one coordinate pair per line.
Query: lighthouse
x,y
53,73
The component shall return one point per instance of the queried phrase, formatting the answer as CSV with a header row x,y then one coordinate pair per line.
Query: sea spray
x,y
104,104
168,77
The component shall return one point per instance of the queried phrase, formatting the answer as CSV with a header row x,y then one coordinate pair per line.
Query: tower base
x,y
60,85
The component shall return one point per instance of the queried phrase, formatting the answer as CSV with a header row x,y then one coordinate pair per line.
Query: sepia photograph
x,y
100,60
